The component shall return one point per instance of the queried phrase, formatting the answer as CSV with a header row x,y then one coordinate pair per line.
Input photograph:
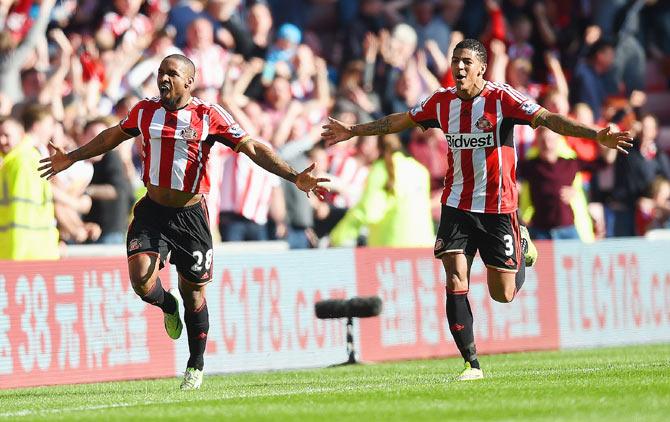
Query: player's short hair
x,y
475,46
184,61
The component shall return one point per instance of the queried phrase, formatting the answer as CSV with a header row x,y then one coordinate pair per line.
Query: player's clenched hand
x,y
615,140
58,162
335,131
307,182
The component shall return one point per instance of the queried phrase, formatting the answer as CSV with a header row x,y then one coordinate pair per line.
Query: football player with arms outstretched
x,y
479,201
177,132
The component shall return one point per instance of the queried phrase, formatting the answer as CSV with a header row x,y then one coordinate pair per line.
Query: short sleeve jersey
x,y
481,173
176,144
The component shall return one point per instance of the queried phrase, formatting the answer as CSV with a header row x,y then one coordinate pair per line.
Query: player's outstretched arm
x,y
569,127
336,131
103,142
267,159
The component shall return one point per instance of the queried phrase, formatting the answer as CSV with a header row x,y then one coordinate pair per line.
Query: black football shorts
x,y
183,233
495,236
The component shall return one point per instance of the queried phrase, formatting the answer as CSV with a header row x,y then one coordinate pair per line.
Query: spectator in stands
x,y
210,59
232,33
68,188
371,19
634,174
656,33
27,229
13,57
281,52
653,211
110,190
619,21
181,15
555,191
259,23
427,25
521,29
248,194
397,191
588,83
278,99
125,24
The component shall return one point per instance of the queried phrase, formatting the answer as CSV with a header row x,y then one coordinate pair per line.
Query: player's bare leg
x,y
459,315
502,285
196,319
143,271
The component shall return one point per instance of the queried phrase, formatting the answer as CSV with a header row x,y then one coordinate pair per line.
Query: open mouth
x,y
164,88
460,77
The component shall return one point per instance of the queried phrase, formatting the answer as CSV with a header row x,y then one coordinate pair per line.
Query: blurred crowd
x,y
69,69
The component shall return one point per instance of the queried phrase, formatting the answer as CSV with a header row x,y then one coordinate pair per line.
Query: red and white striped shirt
x,y
210,65
350,173
176,144
481,174
120,25
246,188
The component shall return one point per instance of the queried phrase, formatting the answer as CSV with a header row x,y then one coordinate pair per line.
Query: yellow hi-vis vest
x,y
27,223
399,220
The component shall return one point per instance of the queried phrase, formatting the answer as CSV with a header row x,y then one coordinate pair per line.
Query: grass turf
x,y
627,383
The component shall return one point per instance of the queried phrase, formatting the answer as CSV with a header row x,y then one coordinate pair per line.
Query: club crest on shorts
x,y
189,133
483,123
439,244
134,244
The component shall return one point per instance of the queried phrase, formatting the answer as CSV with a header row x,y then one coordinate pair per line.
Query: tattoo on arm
x,y
564,125
377,127
267,159
389,124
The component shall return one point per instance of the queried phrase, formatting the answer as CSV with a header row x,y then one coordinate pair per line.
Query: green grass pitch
x,y
614,384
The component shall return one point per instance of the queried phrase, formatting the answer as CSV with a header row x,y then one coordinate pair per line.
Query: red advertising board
x,y
413,322
77,320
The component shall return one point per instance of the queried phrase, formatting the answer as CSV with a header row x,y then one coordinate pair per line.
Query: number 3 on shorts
x,y
509,244
198,258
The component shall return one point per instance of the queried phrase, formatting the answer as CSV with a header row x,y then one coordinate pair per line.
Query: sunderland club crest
x,y
483,123
189,133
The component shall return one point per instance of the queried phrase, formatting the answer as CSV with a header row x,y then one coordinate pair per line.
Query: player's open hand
x,y
335,131
56,163
307,182
615,140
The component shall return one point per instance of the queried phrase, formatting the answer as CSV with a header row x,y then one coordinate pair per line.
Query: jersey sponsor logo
x,y
483,123
189,133
470,140
236,131
530,107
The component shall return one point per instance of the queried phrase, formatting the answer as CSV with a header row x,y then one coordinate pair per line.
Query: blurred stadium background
x,y
69,69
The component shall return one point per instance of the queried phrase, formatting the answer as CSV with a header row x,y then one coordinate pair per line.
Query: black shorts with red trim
x,y
495,236
183,233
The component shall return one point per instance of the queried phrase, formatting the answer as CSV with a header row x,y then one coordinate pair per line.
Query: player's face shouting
x,y
173,81
466,68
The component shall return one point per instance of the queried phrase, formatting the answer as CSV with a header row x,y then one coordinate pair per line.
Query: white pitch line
x,y
187,397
